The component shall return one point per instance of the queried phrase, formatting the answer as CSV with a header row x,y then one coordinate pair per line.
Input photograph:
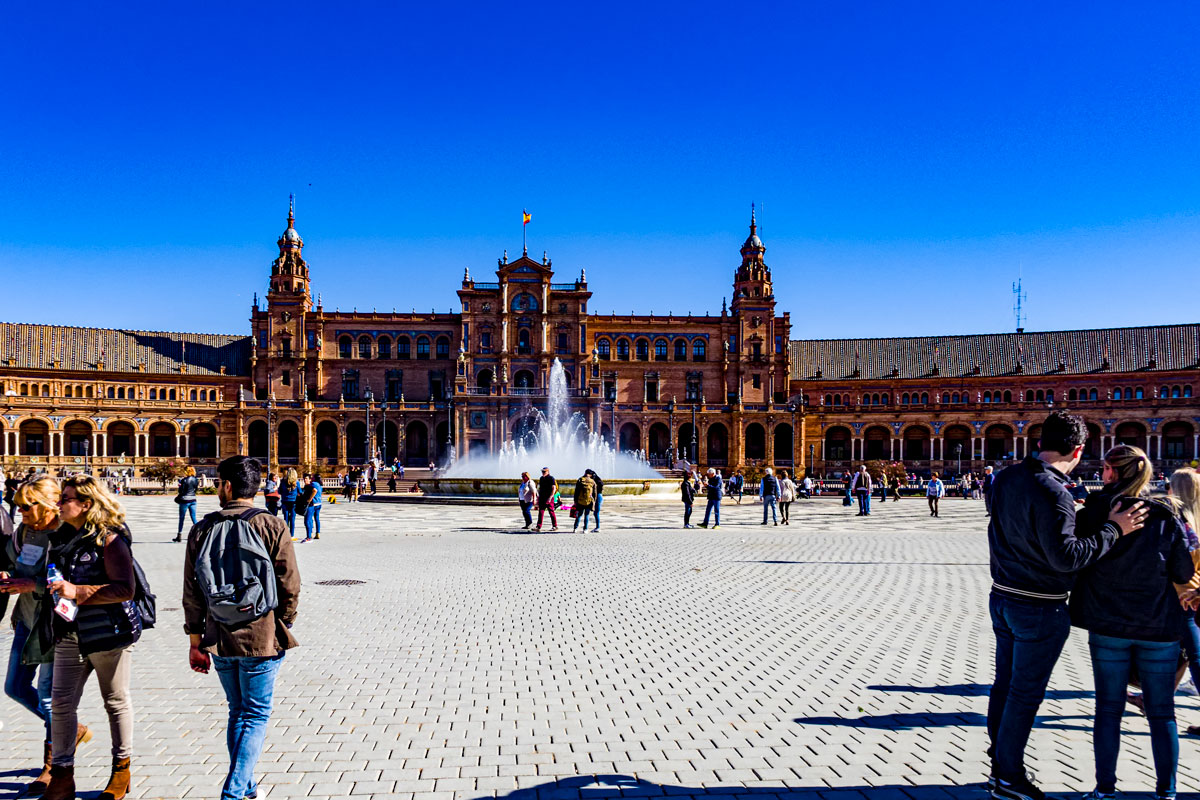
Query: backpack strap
x,y
250,513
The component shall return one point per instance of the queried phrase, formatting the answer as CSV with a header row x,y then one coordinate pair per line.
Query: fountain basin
x,y
660,488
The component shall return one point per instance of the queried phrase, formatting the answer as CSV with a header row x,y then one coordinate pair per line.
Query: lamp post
x,y
791,407
383,444
812,451
370,443
958,454
270,428
671,428
695,436
616,439
87,448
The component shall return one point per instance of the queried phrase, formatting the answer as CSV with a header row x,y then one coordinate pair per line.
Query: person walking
x,y
787,494
312,517
737,485
599,498
300,509
526,495
547,488
583,500
372,477
1034,554
97,576
287,495
860,487
270,494
687,491
247,655
768,491
713,490
897,483
186,498
27,553
989,478
11,482
1127,602
935,490
807,487
1184,488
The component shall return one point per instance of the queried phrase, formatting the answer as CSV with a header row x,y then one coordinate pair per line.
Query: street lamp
x,y
370,443
383,444
791,407
695,437
671,427
958,454
270,428
87,448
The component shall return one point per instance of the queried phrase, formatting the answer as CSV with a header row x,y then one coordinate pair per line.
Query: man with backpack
x,y
241,588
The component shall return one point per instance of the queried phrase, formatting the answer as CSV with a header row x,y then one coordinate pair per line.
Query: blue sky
x,y
910,158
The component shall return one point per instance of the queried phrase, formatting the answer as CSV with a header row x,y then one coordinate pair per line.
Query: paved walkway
x,y
839,655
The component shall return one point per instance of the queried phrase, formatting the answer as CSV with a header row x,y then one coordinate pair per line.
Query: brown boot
x,y
62,784
41,781
118,784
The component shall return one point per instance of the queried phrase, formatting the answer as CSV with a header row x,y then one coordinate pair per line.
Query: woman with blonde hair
x,y
186,498
94,631
1184,488
288,493
1128,605
30,673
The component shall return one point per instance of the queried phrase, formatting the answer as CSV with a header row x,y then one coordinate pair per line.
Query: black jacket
x,y
688,491
1035,552
187,488
1129,593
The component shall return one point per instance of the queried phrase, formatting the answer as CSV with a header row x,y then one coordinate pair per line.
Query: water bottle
x,y
67,609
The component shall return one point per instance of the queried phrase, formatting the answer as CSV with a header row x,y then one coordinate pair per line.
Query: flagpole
x,y
524,225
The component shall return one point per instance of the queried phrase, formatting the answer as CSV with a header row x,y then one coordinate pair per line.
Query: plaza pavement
x,y
845,656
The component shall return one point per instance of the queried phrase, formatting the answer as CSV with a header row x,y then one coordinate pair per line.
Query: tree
x,y
165,471
891,470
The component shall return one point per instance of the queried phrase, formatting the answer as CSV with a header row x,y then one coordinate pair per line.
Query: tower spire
x,y
291,209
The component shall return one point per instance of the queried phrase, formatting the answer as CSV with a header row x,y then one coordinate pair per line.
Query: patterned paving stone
x,y
840,658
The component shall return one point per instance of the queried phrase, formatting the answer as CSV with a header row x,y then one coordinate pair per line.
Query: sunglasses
x,y
24,509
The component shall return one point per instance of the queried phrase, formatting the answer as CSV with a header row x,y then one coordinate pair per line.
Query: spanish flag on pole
x,y
525,217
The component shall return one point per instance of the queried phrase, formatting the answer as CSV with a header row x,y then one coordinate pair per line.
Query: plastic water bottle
x,y
67,609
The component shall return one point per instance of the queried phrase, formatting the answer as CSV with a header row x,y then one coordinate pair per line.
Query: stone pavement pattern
x,y
839,655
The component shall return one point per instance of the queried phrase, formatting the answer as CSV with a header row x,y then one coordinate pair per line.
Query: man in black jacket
x,y
1034,557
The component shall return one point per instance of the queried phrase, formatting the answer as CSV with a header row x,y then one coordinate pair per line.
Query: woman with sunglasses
x,y
31,660
97,572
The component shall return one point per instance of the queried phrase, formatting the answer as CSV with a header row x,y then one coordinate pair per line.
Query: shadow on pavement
x,y
977,690
599,786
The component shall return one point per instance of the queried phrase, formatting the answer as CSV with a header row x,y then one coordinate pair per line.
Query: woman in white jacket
x,y
787,493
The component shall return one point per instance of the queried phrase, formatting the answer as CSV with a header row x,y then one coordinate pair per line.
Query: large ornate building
x,y
319,388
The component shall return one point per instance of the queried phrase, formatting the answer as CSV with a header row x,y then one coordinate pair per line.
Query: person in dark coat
x,y
1127,602
687,491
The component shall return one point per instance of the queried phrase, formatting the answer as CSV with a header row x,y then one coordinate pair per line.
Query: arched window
x,y
120,392
345,345
643,350
443,347
1041,396
1008,397
523,346
385,347
681,350
987,397
904,399
622,349
192,395
660,350
1071,396
154,394
66,391
1117,394
423,347
1164,392
885,399
837,399
364,347
924,398
524,302
1174,392
699,350
953,398
1029,395
403,348
604,349
172,395
112,393
1187,391
1139,393
1092,395
1050,396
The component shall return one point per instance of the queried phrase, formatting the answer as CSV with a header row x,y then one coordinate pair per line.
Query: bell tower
x,y
752,281
289,272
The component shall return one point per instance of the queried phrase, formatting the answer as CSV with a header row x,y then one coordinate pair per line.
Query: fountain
x,y
558,439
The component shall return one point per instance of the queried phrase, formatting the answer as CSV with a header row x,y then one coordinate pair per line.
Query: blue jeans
x,y
769,502
1191,647
713,507
249,685
596,510
582,515
312,517
525,506
289,516
1029,639
1156,663
19,682
864,502
184,508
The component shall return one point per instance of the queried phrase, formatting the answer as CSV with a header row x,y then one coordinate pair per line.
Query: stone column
x,y
217,445
178,451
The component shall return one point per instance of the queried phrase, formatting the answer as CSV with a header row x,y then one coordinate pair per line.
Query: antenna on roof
x,y
1019,299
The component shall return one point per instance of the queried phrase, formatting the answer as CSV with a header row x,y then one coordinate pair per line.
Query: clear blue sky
x,y
910,157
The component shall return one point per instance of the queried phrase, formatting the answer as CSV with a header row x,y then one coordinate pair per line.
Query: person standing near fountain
x,y
547,488
585,498
526,494
688,491
591,473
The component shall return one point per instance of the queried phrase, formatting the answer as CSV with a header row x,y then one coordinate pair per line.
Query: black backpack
x,y
143,599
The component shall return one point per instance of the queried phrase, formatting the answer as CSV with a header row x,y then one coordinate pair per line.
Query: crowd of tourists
x,y
81,601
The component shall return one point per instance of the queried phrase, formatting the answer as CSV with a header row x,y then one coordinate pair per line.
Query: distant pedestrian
x,y
526,495
599,498
400,469
989,477
10,491
300,508
287,494
547,489
247,653
806,487
714,489
186,498
372,477
787,493
897,482
312,514
687,491
768,490
392,482
934,490
583,500
737,485
860,487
